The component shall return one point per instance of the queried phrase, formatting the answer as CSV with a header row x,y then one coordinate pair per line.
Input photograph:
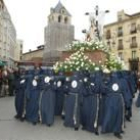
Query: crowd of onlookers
x,y
7,81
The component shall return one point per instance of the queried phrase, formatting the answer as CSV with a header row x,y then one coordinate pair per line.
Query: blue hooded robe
x,y
114,107
72,103
48,101
32,99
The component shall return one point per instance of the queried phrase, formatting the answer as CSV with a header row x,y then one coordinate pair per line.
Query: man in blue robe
x,y
127,95
66,87
90,105
114,108
72,103
59,93
47,107
32,96
20,95
138,100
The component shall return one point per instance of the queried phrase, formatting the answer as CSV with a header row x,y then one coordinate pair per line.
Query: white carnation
x,y
82,64
97,69
65,67
77,68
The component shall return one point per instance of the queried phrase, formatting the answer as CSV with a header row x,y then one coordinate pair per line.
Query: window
x,y
133,54
120,54
63,11
66,20
108,34
133,42
108,43
59,18
133,28
120,31
120,44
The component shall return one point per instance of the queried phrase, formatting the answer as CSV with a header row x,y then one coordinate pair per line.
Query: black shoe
x,y
49,125
97,133
128,119
34,123
122,132
16,116
83,128
76,128
22,119
63,117
118,135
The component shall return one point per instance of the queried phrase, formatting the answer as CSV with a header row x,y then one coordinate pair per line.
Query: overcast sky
x,y
30,16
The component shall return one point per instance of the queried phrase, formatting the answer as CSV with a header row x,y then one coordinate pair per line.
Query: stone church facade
x,y
58,33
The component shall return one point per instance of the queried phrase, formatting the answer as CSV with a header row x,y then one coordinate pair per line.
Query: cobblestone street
x,y
12,129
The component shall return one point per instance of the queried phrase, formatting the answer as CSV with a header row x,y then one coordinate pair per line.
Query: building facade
x,y
34,55
7,36
123,39
18,51
58,33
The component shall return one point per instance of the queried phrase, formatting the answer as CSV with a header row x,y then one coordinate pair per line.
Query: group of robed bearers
x,y
92,100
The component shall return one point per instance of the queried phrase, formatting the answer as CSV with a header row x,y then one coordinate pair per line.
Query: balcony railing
x,y
120,47
120,34
108,36
133,31
133,45
134,59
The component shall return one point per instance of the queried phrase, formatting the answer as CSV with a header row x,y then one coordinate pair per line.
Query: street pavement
x,y
12,129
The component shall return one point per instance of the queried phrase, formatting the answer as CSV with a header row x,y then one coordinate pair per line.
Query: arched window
x,y
66,20
63,11
59,18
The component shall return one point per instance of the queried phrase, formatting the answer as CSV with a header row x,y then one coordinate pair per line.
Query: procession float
x,y
91,54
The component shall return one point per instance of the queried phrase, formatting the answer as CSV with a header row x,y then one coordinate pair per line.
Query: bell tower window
x,y
62,11
59,18
66,20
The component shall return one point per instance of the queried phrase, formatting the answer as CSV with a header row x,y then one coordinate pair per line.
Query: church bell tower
x,y
58,33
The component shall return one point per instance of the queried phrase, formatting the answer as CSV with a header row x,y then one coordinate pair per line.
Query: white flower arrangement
x,y
112,63
76,62
79,61
88,45
97,69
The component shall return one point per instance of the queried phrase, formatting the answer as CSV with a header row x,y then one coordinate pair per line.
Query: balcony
x,y
133,45
134,64
120,34
108,36
133,31
134,59
120,47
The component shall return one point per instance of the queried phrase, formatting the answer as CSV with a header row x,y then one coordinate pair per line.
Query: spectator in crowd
x,y
4,90
0,81
11,82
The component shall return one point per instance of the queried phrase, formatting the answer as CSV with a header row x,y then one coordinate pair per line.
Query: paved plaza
x,y
12,129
